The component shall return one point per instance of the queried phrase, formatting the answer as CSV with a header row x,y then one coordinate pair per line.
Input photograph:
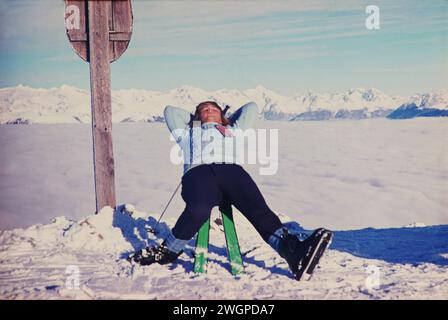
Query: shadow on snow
x,y
395,245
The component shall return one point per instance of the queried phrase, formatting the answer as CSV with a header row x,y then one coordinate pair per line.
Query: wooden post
x,y
103,158
99,32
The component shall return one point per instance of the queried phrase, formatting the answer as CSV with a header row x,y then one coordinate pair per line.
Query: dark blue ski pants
x,y
209,185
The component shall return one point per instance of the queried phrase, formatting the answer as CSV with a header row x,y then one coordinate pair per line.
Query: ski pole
x,y
153,230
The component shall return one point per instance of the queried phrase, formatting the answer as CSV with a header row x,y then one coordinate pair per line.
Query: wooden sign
x,y
100,31
120,22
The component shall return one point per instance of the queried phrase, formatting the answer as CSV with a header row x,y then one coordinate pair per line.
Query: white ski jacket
x,y
210,142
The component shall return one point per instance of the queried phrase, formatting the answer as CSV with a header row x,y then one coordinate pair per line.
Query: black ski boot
x,y
150,255
303,256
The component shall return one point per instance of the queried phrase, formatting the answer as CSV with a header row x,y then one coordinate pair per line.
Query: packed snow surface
x,y
42,261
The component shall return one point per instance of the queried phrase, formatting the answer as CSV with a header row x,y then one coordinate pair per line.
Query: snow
x,y
68,104
380,184
37,263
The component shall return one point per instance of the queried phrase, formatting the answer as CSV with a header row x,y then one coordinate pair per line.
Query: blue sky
x,y
287,46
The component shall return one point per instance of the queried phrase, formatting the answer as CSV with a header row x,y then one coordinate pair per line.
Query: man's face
x,y
210,113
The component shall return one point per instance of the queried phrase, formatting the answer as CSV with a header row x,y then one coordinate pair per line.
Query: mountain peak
x,y
260,87
185,87
22,86
66,86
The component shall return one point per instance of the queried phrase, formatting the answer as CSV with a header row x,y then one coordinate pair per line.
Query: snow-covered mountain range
x,y
67,104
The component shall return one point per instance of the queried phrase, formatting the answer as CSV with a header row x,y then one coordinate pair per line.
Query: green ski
x,y
200,256
233,248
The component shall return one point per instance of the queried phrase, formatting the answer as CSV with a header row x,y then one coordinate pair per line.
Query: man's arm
x,y
244,117
177,120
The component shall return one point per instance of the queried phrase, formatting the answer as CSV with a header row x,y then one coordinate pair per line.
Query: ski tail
x,y
201,252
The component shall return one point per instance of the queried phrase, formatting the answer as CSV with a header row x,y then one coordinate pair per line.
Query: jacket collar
x,y
209,124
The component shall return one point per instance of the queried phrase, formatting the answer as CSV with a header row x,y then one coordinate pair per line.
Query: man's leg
x,y
247,198
201,193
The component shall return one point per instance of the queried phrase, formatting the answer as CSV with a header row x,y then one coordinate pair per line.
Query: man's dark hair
x,y
197,115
